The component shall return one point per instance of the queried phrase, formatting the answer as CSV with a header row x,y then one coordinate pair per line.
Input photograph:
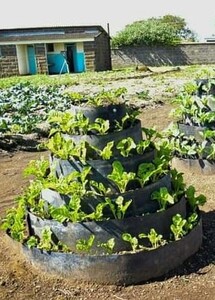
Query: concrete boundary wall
x,y
183,54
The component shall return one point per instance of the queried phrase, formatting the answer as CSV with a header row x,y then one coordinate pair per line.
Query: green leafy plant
x,y
37,168
128,120
66,148
178,183
150,172
144,95
181,227
46,242
126,146
120,177
99,188
100,126
163,197
211,152
145,173
32,241
178,226
72,212
85,245
151,134
106,153
118,207
143,145
75,183
194,201
97,214
155,239
108,246
14,222
192,221
69,123
133,241
101,98
193,110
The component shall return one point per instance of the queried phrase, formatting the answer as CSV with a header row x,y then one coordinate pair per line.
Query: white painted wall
x,y
80,47
59,47
22,59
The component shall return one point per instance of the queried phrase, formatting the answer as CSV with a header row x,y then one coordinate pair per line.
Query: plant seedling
x,y
155,239
133,241
108,246
85,245
163,197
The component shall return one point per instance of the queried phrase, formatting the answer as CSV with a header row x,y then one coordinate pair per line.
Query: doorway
x,y
70,57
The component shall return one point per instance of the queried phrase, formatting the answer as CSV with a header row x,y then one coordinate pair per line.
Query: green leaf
x,y
84,244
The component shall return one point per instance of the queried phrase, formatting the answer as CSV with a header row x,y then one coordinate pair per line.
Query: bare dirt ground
x,y
194,280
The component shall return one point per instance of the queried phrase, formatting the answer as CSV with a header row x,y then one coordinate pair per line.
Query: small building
x,y
210,39
54,50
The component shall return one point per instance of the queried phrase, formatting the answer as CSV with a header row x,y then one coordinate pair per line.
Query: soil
x,y
193,280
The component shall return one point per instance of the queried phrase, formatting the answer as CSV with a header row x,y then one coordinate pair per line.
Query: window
x,y
50,47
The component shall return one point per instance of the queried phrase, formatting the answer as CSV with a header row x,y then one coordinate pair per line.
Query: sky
x,y
199,15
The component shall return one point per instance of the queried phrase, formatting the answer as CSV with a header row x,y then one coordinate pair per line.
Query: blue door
x,y
31,60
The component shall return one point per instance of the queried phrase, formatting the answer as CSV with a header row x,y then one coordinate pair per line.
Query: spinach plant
x,y
163,197
120,177
145,173
126,146
178,227
108,246
143,145
150,172
46,242
155,239
14,222
101,98
192,221
106,153
85,245
178,183
100,126
118,207
66,148
72,212
69,123
194,201
151,134
133,241
181,227
38,168
97,214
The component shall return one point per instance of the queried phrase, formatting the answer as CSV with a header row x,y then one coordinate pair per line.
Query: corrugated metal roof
x,y
50,33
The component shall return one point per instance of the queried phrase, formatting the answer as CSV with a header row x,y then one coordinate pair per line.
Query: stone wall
x,y
89,52
8,61
97,56
183,54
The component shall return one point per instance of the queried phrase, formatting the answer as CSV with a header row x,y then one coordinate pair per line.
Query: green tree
x,y
166,30
180,25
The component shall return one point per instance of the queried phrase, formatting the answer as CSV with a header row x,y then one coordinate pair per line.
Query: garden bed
x,y
193,280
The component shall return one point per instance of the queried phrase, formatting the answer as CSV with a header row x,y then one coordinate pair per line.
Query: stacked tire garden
x,y
193,136
107,206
